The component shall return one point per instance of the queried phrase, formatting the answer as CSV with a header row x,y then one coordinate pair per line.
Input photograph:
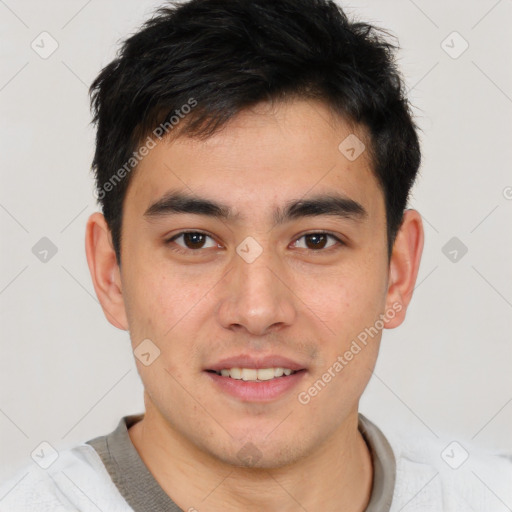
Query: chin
x,y
255,452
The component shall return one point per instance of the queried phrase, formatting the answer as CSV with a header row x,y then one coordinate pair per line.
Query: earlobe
x,y
404,266
104,270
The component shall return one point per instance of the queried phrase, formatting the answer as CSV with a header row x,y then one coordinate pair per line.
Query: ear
x,y
104,270
403,267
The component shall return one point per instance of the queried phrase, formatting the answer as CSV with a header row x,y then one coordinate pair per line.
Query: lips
x,y
257,391
254,362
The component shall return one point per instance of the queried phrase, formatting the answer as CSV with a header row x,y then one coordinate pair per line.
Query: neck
x,y
337,476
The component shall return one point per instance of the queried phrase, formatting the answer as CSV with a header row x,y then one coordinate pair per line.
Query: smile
x,y
256,385
253,374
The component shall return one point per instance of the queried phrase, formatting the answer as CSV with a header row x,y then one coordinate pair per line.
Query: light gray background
x,y
67,375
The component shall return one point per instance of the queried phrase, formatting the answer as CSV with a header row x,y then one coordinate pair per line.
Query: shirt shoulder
x,y
76,481
450,476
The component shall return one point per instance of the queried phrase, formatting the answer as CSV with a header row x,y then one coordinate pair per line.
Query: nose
x,y
256,297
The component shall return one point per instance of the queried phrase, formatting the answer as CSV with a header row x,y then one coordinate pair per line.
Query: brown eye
x,y
194,240
317,241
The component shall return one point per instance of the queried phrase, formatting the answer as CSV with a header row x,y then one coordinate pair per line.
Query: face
x,y
263,247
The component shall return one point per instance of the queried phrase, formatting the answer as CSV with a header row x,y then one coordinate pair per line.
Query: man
x,y
253,164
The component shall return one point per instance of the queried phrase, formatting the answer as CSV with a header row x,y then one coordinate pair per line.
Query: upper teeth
x,y
255,374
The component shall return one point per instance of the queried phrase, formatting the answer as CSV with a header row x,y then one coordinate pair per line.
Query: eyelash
x,y
183,250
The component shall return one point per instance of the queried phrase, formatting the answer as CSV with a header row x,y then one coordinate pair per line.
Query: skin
x,y
308,304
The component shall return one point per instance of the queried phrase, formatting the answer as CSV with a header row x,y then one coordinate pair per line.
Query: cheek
x,y
169,308
348,301
151,301
156,290
349,306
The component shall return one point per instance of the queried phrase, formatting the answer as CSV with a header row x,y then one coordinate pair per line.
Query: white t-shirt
x,y
410,474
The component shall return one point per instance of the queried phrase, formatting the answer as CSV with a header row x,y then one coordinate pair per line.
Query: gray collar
x,y
143,493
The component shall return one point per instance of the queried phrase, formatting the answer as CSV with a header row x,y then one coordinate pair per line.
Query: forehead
x,y
261,159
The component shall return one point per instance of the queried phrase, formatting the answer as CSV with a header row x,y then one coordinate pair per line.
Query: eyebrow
x,y
175,202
